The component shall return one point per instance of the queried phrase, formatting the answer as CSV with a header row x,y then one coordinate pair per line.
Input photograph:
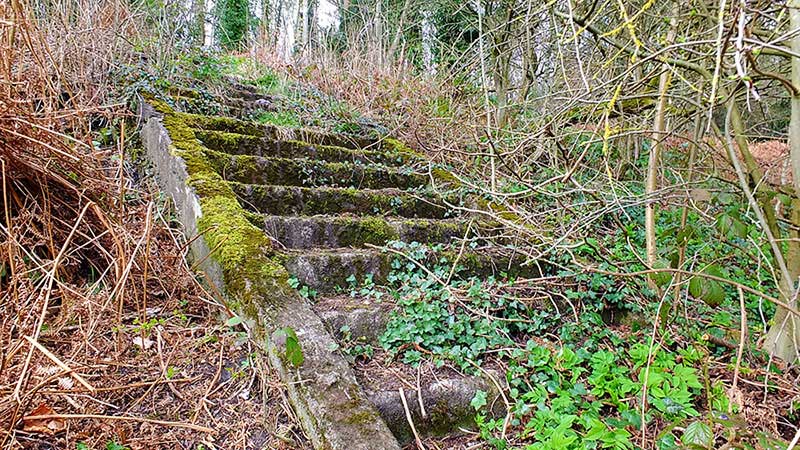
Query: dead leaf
x,y
50,425
143,343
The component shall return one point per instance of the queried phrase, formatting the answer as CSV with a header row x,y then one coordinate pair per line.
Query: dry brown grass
x,y
425,111
105,334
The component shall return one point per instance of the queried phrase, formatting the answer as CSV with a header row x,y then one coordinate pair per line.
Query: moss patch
x,y
286,200
240,248
219,123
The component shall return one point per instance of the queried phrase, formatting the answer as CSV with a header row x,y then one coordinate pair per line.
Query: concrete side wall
x,y
171,176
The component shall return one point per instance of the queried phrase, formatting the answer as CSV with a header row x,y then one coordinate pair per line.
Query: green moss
x,y
209,184
242,250
220,123
364,417
180,91
233,143
445,176
377,229
254,218
500,210
372,230
398,146
279,118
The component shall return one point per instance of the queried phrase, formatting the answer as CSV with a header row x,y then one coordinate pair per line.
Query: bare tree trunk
x,y
266,17
501,52
530,59
398,34
783,338
303,7
485,85
794,125
311,24
378,38
659,133
198,32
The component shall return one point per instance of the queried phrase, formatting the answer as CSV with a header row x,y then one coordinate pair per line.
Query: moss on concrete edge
x,y
242,250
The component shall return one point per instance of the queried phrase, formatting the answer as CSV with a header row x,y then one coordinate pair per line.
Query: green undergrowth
x,y
584,367
279,118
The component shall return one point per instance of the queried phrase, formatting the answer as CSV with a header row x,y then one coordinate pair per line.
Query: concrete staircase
x,y
327,202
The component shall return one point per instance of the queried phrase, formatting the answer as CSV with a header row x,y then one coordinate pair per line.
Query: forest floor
x,y
151,358
165,367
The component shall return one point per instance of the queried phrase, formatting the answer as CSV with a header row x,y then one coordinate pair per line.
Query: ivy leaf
x,y
697,434
731,225
684,234
293,352
111,445
661,279
710,291
233,321
479,400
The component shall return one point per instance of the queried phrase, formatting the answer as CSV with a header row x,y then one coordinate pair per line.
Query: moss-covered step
x,y
304,172
298,232
327,270
243,144
314,137
288,200
236,257
231,125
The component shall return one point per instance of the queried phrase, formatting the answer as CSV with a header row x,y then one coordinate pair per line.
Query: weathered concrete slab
x,y
447,406
243,144
310,136
332,408
305,232
326,270
286,200
303,172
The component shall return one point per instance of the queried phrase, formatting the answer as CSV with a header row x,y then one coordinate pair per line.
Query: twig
x,y
741,286
419,393
51,276
410,420
742,339
795,440
59,363
165,423
211,384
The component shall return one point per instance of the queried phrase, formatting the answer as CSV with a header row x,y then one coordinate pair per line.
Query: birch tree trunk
x,y
783,338
659,133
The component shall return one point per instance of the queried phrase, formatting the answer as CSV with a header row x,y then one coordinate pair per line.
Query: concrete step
x,y
438,398
365,318
311,136
303,232
328,270
295,200
243,144
439,403
303,172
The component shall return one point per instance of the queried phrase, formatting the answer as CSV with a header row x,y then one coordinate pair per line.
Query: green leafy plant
x,y
292,351
279,118
303,290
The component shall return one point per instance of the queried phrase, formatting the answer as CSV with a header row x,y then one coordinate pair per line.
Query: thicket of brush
x,y
88,260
